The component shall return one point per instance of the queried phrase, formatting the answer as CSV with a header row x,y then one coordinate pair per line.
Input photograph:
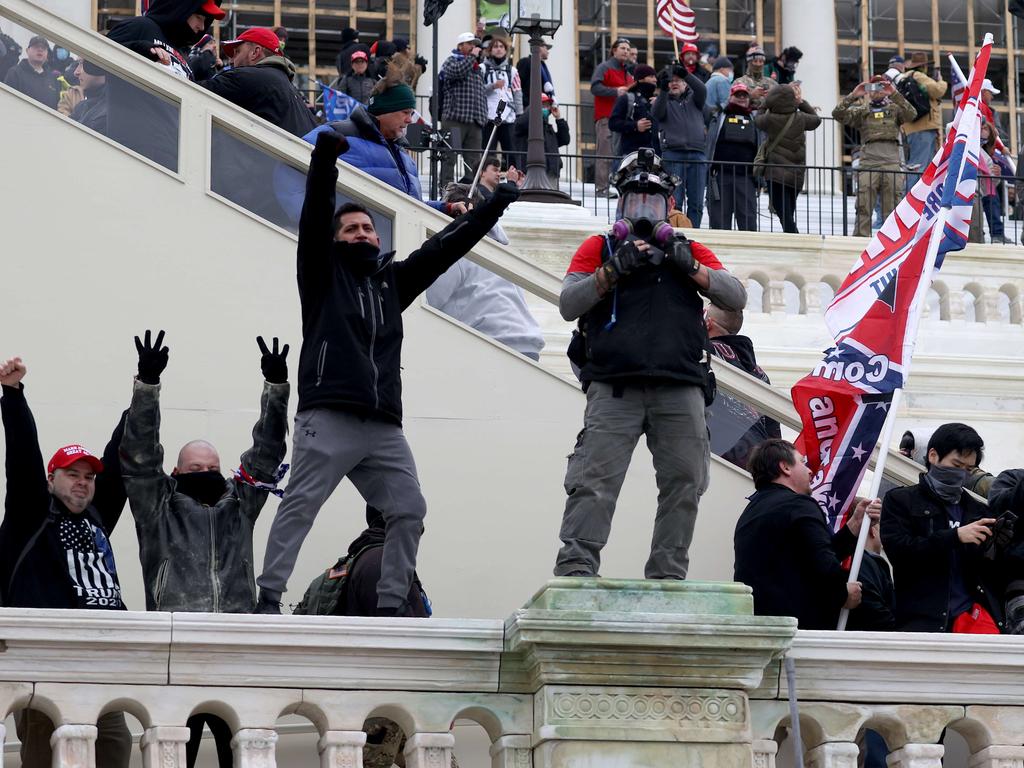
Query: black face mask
x,y
646,89
204,487
362,258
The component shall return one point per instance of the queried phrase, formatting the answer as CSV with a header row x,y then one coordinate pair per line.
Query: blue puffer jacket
x,y
368,151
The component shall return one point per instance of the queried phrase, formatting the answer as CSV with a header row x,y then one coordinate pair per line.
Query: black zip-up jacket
x,y
787,555
351,325
266,90
919,542
92,112
195,557
41,86
33,562
878,598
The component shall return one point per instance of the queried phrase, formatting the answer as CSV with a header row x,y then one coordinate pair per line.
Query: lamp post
x,y
537,18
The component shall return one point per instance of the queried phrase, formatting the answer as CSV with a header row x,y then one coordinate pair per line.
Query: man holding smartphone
x,y
935,535
877,110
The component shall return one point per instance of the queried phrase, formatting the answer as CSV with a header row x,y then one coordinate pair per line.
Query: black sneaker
x,y
267,606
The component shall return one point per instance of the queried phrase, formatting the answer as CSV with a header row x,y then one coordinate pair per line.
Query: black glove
x,y
273,363
421,63
331,142
504,195
152,358
626,258
679,253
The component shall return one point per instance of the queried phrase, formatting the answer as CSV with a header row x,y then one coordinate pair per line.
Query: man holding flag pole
x,y
850,399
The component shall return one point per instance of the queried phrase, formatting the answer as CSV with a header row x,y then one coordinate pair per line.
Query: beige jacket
x,y
936,90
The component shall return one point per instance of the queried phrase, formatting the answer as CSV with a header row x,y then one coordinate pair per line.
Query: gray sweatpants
x,y
329,445
672,417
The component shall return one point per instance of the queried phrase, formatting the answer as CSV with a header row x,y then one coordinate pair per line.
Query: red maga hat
x,y
261,36
68,455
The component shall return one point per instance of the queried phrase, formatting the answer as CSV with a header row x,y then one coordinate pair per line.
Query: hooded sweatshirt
x,y
138,119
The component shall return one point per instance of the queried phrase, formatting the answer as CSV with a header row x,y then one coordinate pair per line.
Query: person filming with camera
x,y
642,350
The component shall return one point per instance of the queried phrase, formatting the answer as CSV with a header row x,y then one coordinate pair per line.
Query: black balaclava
x,y
205,487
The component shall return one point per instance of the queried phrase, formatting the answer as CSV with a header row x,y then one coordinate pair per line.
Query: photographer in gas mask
x,y
642,351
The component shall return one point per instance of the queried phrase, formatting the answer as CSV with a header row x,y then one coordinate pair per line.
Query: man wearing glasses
x,y
732,147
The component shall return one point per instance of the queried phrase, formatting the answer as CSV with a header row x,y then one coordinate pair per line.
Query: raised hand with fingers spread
x,y
274,364
152,358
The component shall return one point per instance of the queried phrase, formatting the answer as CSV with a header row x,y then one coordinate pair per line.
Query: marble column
x,y
254,748
341,749
764,753
997,757
510,752
429,750
916,756
163,746
832,754
74,746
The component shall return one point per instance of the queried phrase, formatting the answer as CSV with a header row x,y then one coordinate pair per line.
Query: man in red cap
x,y
357,83
54,546
690,58
260,81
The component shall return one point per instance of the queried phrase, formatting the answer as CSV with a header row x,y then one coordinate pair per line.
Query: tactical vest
x,y
738,129
649,326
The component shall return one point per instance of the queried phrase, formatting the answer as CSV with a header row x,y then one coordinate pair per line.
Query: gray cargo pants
x,y
327,446
672,417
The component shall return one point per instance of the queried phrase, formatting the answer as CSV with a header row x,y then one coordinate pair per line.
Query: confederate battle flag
x,y
874,315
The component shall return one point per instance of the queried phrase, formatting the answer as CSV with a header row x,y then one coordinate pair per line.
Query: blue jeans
x,y
921,148
994,213
689,165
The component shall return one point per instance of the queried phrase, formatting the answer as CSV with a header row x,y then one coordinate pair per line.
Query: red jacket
x,y
609,76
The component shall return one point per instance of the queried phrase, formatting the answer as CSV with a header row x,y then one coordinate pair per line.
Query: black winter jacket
x,y
628,110
553,139
878,598
34,564
351,325
92,111
41,86
786,554
919,543
195,557
266,90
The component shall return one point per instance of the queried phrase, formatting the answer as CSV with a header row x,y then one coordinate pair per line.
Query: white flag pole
x,y
885,439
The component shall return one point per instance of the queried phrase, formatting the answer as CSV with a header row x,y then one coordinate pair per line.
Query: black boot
x,y
268,605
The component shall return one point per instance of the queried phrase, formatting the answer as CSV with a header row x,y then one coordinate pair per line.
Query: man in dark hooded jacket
x,y
736,428
349,420
140,120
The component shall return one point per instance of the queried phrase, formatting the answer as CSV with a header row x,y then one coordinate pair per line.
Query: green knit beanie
x,y
394,99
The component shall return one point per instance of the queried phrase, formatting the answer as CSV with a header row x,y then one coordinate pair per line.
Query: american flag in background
x,y
678,20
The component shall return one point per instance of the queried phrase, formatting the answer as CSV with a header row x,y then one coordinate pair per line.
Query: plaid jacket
x,y
465,99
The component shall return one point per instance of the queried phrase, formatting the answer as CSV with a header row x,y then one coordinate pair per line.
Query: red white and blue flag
x,y
873,317
678,20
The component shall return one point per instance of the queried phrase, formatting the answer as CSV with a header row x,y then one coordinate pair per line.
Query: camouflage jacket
x,y
879,127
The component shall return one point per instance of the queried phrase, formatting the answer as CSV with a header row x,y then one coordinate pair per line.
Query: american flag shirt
x,y
90,563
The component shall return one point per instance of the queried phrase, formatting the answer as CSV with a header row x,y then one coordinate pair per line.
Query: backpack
x,y
324,593
915,93
616,136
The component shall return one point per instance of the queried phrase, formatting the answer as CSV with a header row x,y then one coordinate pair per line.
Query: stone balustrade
x,y
589,672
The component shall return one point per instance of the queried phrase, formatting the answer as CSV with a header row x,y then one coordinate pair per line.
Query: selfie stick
x,y
487,150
